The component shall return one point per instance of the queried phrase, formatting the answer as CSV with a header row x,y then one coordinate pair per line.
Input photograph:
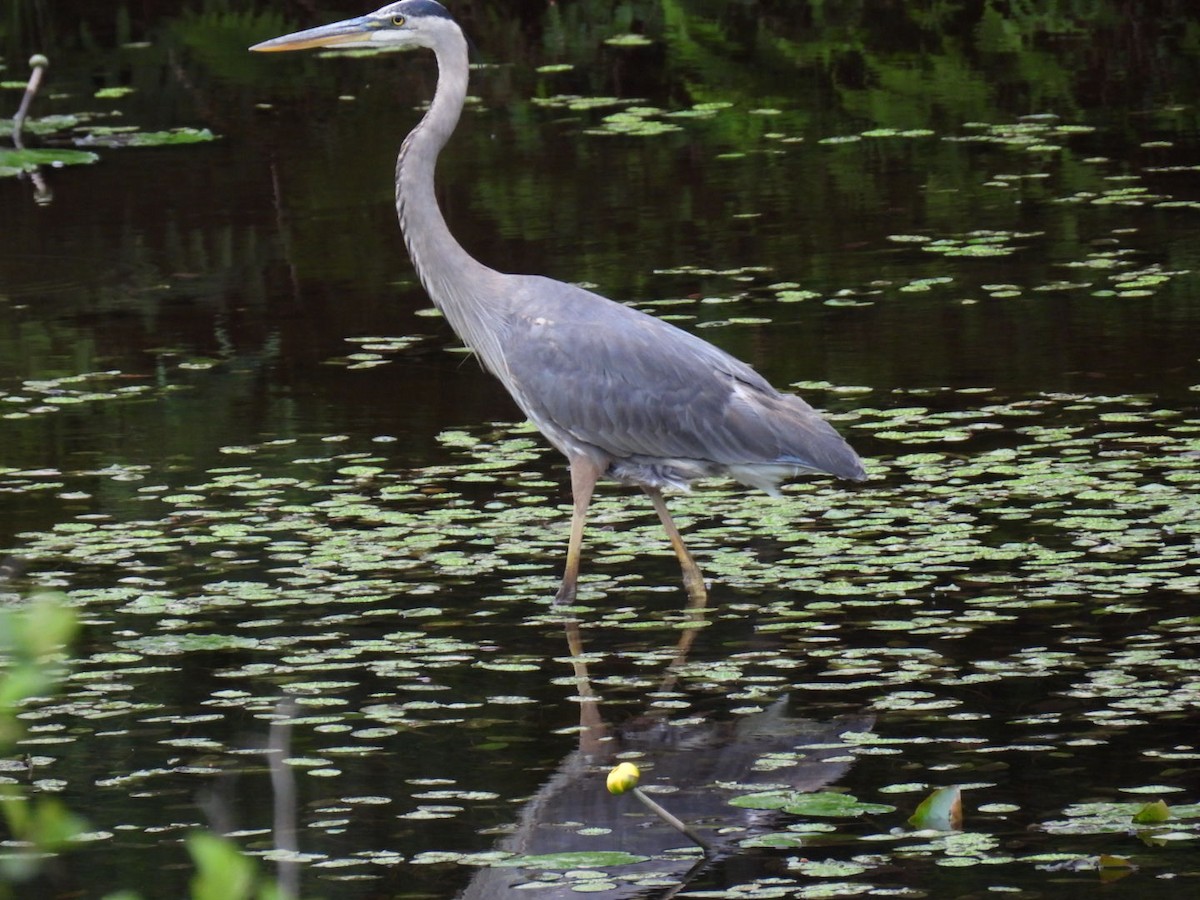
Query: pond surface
x,y
291,513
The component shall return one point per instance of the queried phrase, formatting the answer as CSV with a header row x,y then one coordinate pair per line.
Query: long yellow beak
x,y
356,32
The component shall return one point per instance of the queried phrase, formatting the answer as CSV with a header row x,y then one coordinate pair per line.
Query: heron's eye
x,y
397,21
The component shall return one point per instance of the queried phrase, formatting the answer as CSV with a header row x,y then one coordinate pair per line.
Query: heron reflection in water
x,y
622,394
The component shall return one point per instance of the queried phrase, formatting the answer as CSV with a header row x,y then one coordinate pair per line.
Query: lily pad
x,y
599,859
14,162
146,138
822,805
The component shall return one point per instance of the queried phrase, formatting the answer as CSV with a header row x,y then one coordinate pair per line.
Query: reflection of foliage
x,y
218,38
813,70
787,73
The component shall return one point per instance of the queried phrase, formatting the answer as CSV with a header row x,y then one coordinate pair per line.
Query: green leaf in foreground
x,y
223,872
30,637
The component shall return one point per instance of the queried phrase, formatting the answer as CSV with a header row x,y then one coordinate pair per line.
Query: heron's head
x,y
410,23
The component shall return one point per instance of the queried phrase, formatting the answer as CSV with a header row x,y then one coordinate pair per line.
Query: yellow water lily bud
x,y
623,778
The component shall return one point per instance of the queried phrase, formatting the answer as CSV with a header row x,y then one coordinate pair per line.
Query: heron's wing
x,y
635,386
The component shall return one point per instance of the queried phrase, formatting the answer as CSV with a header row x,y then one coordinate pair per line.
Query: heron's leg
x,y
584,475
693,580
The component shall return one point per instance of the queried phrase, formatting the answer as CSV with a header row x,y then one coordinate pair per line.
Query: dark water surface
x,y
235,439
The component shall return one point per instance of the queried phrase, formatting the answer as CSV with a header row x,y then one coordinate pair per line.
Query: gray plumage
x,y
655,404
621,393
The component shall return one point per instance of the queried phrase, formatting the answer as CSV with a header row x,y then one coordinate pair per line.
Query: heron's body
x,y
620,393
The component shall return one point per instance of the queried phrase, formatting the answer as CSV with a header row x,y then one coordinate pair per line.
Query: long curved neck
x,y
452,278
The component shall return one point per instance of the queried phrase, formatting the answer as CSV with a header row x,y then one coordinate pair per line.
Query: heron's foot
x,y
693,581
565,595
697,591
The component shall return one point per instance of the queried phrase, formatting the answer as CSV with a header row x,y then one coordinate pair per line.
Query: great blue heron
x,y
621,393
